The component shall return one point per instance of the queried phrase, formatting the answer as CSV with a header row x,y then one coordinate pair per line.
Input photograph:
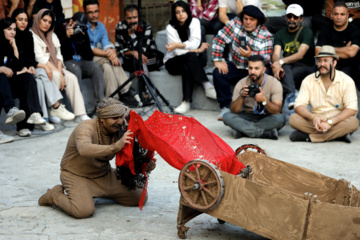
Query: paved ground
x,y
29,166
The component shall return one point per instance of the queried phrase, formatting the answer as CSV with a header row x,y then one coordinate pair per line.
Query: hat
x,y
81,18
253,11
295,9
327,51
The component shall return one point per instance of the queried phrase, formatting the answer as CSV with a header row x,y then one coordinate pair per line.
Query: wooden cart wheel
x,y
201,184
251,147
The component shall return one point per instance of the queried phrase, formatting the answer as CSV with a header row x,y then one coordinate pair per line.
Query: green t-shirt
x,y
285,39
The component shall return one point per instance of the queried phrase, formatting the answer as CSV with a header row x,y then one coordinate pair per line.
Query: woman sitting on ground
x,y
47,52
183,53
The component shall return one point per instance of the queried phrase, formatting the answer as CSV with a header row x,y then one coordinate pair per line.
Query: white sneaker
x,y
210,92
46,127
184,107
54,119
81,118
36,119
5,138
14,116
62,112
222,112
24,132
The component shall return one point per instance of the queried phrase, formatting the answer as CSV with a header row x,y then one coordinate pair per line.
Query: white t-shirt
x,y
231,4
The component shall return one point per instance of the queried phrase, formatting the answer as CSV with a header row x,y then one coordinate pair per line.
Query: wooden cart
x,y
277,200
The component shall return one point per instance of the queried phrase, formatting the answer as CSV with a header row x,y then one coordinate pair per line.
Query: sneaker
x,y
62,113
54,119
36,119
210,92
291,100
222,112
46,127
270,134
129,100
14,116
236,133
5,138
184,107
81,118
297,136
24,132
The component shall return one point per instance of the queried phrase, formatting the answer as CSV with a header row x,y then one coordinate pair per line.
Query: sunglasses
x,y
289,16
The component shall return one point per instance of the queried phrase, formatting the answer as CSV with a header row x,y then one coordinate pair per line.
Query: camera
x,y
79,32
253,89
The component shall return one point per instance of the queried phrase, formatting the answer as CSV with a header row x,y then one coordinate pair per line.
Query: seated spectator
x,y
127,42
345,38
20,79
105,55
248,37
353,7
296,42
56,7
256,104
332,97
47,52
49,94
184,45
77,53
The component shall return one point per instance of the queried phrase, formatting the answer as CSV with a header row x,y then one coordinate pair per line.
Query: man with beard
x,y
86,172
297,44
256,104
332,97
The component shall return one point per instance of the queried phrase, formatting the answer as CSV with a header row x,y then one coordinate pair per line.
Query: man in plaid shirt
x,y
248,37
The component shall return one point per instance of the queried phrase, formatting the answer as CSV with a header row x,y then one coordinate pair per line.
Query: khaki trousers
x,y
80,191
114,76
72,91
349,125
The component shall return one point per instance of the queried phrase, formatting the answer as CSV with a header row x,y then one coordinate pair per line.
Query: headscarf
x,y
46,37
183,30
110,107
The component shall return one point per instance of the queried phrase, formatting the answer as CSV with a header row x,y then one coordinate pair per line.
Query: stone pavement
x,y
29,166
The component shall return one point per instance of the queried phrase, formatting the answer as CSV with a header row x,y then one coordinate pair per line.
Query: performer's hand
x,y
125,139
150,166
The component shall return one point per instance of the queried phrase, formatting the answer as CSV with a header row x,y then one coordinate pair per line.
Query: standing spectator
x,y
47,52
77,53
7,7
184,44
332,97
105,55
297,44
255,112
256,40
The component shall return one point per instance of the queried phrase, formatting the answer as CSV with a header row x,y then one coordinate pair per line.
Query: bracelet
x,y
313,117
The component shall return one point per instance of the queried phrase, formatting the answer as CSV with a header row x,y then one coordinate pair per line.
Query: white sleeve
x,y
173,37
57,46
195,35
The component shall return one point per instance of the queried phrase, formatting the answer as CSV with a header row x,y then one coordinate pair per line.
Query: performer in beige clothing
x,y
332,97
85,167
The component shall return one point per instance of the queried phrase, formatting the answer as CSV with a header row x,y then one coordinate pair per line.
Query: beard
x,y
293,25
255,78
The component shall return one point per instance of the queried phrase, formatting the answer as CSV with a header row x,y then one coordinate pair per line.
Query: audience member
x,y
7,7
182,57
345,38
77,53
332,97
49,94
47,52
21,81
56,7
105,55
296,42
248,37
353,7
256,104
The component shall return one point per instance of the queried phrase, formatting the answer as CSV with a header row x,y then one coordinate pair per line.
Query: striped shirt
x,y
260,42
340,95
209,9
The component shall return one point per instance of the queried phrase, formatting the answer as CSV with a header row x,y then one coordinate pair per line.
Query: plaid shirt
x,y
260,42
124,42
209,11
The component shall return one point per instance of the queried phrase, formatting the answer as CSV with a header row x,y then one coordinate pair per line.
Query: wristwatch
x,y
264,102
281,62
330,122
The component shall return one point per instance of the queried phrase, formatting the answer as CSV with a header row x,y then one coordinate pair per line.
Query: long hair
x,y
183,30
5,46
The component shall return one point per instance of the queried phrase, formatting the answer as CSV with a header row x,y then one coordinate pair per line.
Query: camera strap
x,y
297,36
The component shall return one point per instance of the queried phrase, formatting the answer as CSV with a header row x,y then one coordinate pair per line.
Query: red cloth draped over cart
x,y
178,140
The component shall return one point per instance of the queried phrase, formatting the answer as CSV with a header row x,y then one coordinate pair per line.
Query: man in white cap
x,y
332,97
297,43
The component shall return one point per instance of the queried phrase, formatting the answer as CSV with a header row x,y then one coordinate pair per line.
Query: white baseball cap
x,y
295,9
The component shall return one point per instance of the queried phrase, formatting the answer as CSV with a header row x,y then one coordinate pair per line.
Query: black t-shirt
x,y
332,37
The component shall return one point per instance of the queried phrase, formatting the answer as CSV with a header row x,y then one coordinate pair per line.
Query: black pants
x,y
6,98
189,67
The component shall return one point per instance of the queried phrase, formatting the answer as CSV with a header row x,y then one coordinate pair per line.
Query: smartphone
x,y
242,41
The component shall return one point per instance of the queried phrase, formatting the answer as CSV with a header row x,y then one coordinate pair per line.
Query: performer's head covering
x,y
110,107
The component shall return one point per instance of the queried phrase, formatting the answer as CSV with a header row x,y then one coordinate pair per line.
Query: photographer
x,y
256,104
77,53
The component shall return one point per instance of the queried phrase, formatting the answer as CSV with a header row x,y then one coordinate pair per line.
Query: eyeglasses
x,y
289,16
93,12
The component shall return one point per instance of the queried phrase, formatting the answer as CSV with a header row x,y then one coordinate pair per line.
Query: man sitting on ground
x,y
332,97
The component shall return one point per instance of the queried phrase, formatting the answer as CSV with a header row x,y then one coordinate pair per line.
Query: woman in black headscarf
x,y
183,53
22,82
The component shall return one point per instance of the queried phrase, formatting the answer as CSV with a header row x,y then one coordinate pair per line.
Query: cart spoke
x,y
196,197
204,198
211,182
197,172
188,188
189,176
208,192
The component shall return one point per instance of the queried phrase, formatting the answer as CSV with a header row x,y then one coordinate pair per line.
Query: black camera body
x,y
79,31
253,89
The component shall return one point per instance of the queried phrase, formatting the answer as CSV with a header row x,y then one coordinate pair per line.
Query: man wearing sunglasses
x,y
297,44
